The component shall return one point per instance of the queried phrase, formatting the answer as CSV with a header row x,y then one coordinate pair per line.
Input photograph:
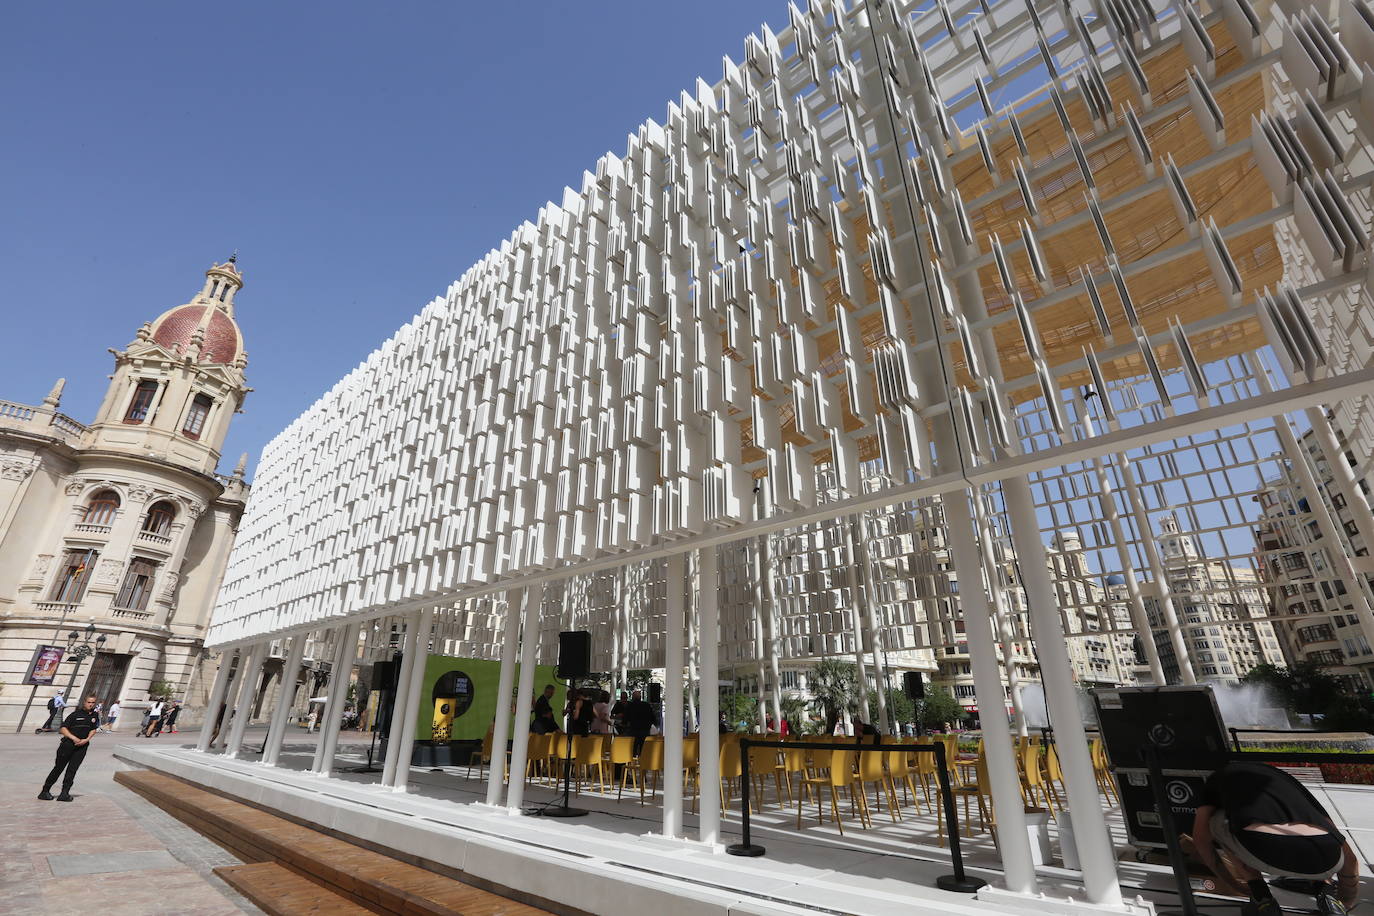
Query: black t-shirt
x,y
543,711
1255,793
81,723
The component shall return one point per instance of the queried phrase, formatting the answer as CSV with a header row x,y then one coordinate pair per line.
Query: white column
x,y
335,663
861,669
217,692
1091,836
286,695
859,551
500,729
243,709
672,699
524,697
690,684
1014,842
417,679
1106,500
1001,619
393,738
708,676
339,676
1158,575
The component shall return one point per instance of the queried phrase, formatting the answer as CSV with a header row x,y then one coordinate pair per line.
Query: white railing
x,y
130,613
96,530
161,540
16,411
56,607
67,425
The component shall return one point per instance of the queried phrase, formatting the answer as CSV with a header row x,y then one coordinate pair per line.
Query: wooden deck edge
x,y
257,855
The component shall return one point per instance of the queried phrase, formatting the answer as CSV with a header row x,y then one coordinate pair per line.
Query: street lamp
x,y
81,651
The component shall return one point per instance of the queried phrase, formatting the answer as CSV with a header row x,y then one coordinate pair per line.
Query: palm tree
x,y
832,685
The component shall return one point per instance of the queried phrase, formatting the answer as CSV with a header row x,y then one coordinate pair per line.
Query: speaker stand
x,y
563,809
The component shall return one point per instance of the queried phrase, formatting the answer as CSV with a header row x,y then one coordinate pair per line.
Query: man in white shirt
x,y
112,715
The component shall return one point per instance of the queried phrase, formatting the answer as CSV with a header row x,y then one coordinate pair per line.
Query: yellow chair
x,y
586,755
1102,771
763,763
1033,784
981,789
623,755
928,774
691,759
1054,775
730,768
899,773
484,756
841,775
872,770
536,756
649,762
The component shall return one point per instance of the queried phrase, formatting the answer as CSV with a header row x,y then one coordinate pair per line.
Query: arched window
x,y
159,518
195,417
101,509
142,402
138,585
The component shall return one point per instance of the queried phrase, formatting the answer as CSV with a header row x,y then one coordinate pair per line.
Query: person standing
x,y
71,750
55,705
112,716
154,718
639,720
169,721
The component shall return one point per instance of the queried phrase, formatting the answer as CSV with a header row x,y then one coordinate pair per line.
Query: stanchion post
x,y
1177,861
958,882
744,847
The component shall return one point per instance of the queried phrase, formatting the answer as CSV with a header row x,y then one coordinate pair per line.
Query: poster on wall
x,y
43,668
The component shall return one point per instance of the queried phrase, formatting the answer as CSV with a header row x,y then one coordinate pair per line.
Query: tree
x,y
739,707
1306,688
794,711
161,688
899,706
939,707
832,685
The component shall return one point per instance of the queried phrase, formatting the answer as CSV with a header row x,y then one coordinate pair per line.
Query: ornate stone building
x,y
119,531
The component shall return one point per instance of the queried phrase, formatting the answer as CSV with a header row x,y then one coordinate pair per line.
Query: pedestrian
x,y
113,715
100,717
170,720
55,705
71,750
1270,824
154,718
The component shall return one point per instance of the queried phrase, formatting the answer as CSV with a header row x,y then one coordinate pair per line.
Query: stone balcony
x,y
40,420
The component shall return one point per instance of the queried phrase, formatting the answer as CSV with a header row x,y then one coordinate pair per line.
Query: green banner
x,y
469,686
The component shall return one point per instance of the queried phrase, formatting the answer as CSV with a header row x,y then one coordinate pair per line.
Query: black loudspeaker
x,y
385,675
574,654
655,693
913,685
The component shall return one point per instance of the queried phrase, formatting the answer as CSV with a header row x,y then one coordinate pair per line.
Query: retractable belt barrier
x,y
959,881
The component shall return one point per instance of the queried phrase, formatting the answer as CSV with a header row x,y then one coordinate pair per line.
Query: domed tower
x,y
178,384
114,536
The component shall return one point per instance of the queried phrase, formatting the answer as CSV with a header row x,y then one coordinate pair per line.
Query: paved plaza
x,y
110,851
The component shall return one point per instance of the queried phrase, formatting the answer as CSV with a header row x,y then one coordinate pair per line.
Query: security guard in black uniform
x,y
77,729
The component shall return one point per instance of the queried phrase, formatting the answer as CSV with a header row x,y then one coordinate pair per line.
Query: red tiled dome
x,y
222,342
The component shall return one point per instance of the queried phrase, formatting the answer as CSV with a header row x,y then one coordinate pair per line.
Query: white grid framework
x,y
872,265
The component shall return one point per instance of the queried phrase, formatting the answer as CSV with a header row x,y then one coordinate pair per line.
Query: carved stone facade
x,y
124,524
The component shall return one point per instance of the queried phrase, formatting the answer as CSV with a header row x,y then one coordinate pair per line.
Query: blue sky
x,y
359,155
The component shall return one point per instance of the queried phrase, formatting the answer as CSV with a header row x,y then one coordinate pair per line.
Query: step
x,y
278,891
365,877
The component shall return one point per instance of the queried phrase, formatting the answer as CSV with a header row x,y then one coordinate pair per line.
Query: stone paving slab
x,y
106,862
108,853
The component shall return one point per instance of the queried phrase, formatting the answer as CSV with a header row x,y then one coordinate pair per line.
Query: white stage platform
x,y
615,861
